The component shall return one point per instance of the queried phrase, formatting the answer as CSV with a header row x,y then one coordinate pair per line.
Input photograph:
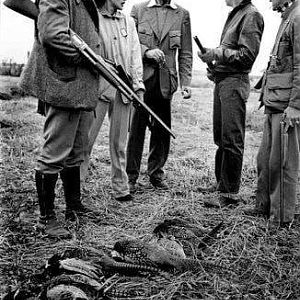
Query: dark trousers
x,y
229,113
159,138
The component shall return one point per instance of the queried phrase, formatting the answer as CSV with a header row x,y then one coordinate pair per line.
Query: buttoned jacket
x,y
175,39
56,72
282,79
240,40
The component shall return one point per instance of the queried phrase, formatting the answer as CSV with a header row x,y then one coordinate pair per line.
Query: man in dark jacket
x,y
233,60
164,31
278,156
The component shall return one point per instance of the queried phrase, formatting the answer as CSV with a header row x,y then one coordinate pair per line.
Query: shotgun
x,y
114,79
28,9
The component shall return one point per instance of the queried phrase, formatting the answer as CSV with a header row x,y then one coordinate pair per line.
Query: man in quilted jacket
x,y
278,156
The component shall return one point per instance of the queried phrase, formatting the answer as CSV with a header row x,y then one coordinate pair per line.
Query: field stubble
x,y
265,263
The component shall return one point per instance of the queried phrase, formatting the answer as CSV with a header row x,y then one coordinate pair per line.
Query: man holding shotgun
x,y
68,86
119,44
278,156
230,65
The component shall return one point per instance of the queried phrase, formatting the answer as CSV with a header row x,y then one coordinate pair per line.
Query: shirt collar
x,y
285,13
105,13
153,3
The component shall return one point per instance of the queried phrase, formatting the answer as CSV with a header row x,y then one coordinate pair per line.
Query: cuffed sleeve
x,y
136,64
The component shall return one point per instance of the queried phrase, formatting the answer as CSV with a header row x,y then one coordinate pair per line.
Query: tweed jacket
x,y
240,40
174,39
282,78
56,72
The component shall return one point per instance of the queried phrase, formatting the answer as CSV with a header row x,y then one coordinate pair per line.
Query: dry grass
x,y
265,262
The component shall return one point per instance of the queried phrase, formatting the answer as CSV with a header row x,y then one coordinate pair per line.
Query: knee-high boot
x,y
71,184
45,185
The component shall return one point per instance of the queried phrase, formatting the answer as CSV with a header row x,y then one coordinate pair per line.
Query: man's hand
x,y
207,57
155,54
210,75
140,94
186,92
291,117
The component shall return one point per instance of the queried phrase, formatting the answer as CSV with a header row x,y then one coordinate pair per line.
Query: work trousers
x,y
159,138
119,114
229,111
66,136
268,167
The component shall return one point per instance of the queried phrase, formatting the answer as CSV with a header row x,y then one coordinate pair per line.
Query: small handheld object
x,y
203,51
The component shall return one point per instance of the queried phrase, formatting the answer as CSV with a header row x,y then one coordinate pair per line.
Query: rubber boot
x,y
45,185
71,184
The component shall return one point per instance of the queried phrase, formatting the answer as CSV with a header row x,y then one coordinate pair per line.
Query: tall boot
x,y
71,184
45,185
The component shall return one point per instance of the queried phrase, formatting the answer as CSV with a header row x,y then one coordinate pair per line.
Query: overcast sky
x,y
207,16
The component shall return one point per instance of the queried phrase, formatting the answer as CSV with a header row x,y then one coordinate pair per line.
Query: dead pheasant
x,y
152,254
192,237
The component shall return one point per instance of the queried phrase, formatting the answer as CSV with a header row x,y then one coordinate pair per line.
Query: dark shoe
x,y
254,212
159,184
223,201
54,230
208,189
126,198
132,187
72,214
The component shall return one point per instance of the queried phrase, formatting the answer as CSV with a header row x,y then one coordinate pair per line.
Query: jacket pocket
x,y
175,39
62,72
145,35
278,87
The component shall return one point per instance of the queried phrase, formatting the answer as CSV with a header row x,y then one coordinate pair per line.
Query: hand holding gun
x,y
203,51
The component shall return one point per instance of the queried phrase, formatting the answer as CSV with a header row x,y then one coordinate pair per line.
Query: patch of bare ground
x,y
264,263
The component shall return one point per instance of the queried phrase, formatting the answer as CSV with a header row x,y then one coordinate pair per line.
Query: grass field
x,y
264,262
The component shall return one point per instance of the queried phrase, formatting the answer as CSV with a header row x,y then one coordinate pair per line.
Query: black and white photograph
x,y
149,149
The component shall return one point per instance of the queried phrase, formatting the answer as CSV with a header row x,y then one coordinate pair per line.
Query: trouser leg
x,y
94,124
229,156
119,122
65,134
263,158
217,133
159,140
283,212
135,143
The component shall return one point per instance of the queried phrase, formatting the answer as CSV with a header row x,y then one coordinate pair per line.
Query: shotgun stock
x,y
101,66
